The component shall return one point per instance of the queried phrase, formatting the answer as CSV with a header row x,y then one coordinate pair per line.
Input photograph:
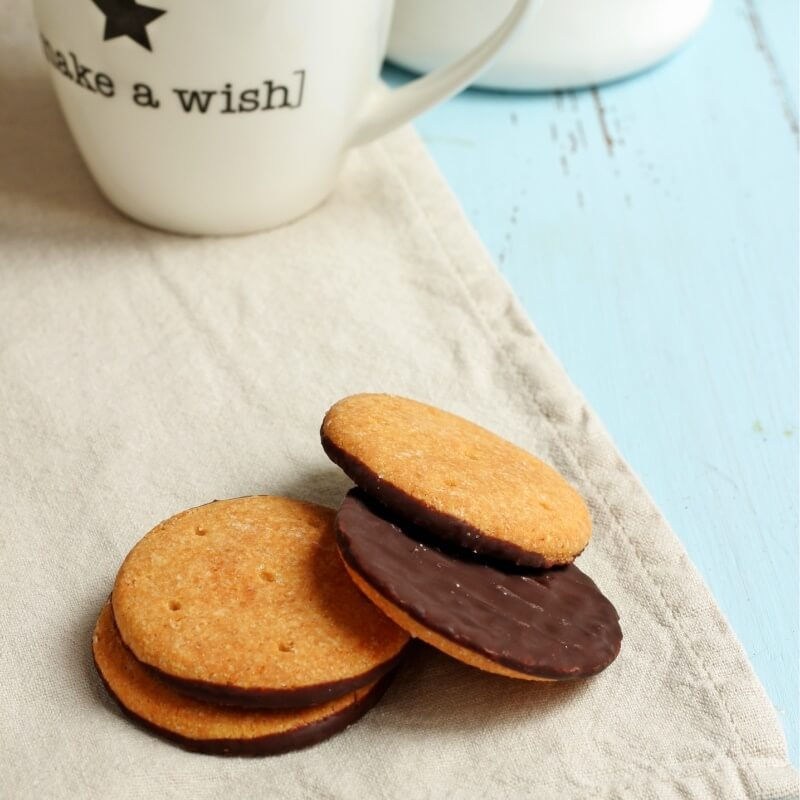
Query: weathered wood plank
x,y
650,229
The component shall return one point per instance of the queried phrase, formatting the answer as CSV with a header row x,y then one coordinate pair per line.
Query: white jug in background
x,y
563,44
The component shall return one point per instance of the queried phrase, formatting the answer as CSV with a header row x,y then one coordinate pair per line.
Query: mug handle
x,y
394,108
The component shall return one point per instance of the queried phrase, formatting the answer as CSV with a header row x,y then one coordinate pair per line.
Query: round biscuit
x,y
245,601
457,480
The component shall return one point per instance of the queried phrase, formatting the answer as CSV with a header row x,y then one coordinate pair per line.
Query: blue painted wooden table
x,y
650,228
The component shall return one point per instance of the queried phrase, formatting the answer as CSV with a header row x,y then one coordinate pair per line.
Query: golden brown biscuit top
x,y
457,479
249,593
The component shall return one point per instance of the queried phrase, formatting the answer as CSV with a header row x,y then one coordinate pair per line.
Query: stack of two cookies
x,y
234,629
263,624
466,541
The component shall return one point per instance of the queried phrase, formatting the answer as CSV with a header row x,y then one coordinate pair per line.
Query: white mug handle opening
x,y
400,105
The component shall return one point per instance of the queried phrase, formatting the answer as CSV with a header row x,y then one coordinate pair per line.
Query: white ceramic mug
x,y
230,116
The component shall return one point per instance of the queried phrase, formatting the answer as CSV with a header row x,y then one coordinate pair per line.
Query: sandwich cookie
x,y
207,728
246,602
457,480
546,625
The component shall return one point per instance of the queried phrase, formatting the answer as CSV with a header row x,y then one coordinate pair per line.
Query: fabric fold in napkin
x,y
144,373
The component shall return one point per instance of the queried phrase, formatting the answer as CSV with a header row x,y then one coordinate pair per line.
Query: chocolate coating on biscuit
x,y
553,624
273,744
208,728
422,516
301,697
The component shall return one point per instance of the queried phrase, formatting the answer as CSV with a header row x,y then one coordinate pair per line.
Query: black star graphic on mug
x,y
128,18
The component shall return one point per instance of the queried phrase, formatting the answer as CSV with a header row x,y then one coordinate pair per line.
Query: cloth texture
x,y
143,373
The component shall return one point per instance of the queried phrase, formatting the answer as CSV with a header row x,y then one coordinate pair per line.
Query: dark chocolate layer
x,y
298,697
445,526
551,623
272,745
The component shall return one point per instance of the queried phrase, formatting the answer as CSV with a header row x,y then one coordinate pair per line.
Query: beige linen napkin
x,y
142,373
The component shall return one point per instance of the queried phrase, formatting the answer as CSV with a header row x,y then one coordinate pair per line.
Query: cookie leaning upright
x,y
457,480
246,602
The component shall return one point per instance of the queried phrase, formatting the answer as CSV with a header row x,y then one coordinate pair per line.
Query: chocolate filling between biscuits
x,y
276,699
424,517
553,624
273,744
254,698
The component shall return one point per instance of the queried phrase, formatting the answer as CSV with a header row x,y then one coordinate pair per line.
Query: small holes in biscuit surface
x,y
174,605
267,576
286,647
199,531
